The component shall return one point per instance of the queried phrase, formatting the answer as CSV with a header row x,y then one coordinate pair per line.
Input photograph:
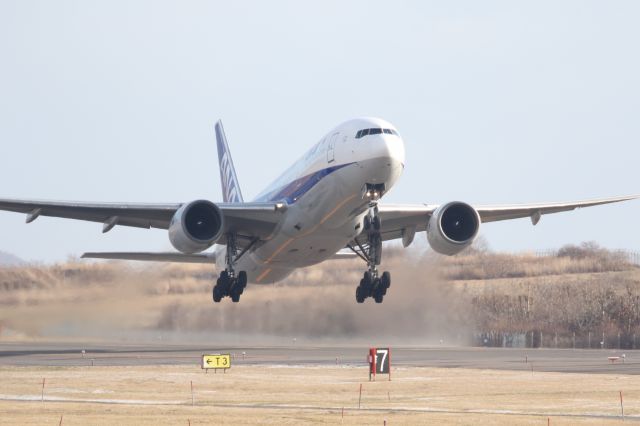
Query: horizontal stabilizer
x,y
154,257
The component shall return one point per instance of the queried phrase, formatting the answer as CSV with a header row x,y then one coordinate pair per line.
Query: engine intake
x,y
453,227
196,226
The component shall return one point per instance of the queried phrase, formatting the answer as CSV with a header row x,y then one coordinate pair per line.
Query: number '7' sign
x,y
382,360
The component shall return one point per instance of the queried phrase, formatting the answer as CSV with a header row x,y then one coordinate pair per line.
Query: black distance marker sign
x,y
382,360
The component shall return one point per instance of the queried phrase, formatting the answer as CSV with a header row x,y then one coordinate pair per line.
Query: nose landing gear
x,y
372,284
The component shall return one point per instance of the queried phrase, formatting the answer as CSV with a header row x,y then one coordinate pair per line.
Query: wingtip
x,y
628,197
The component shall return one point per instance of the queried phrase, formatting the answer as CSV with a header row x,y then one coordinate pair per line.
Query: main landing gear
x,y
230,284
372,284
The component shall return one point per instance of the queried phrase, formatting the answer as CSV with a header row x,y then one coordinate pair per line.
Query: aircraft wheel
x,y
242,279
235,291
385,280
359,296
367,283
217,297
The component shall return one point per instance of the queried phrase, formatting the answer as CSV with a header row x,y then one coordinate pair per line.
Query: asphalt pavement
x,y
557,360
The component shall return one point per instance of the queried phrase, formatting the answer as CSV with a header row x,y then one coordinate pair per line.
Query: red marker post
x,y
372,363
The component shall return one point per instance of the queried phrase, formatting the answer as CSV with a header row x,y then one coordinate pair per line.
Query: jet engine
x,y
452,228
196,226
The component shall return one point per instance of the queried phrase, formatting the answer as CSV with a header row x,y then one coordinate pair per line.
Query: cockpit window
x,y
375,131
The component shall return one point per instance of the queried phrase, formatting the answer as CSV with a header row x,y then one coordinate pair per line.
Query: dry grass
x,y
303,395
431,298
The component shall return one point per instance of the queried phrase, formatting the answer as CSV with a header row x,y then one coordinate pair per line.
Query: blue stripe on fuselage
x,y
297,188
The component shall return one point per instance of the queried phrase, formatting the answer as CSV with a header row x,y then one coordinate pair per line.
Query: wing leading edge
x,y
249,220
535,211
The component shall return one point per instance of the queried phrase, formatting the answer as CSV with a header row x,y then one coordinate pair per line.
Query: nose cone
x,y
379,150
387,156
385,143
394,149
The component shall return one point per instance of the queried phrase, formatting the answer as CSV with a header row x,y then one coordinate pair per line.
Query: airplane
x,y
325,206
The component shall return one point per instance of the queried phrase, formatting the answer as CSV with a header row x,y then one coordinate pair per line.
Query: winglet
x,y
230,187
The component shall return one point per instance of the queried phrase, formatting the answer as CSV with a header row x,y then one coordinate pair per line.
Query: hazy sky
x,y
498,102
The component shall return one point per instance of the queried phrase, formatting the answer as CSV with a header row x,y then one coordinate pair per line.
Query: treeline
x,y
592,301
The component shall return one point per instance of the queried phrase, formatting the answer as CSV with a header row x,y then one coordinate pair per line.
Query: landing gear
x,y
372,284
230,284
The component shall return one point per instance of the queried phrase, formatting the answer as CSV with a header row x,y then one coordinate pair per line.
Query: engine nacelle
x,y
196,226
453,227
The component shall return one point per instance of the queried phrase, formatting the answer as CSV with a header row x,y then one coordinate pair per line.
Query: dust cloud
x,y
319,304
117,301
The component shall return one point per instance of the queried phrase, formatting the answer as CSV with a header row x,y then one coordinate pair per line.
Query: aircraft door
x,y
331,148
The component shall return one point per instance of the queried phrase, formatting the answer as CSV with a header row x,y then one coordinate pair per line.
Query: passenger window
x,y
375,131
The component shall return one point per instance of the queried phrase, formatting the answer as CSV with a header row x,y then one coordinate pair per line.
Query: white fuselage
x,y
324,194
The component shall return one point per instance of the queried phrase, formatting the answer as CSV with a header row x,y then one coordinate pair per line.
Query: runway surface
x,y
555,360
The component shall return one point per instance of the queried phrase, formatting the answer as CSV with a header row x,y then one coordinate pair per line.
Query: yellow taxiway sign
x,y
216,361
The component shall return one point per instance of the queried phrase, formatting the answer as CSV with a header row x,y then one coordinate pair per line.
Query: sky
x,y
497,102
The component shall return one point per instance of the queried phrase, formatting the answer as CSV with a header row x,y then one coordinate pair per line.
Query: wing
x,y
403,221
535,211
250,221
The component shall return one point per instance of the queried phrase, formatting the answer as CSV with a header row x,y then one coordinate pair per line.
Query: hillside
x,y
7,259
464,299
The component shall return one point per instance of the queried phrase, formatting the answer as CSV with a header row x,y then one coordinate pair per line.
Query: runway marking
x,y
31,398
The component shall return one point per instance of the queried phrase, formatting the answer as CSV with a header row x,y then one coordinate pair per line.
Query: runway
x,y
551,360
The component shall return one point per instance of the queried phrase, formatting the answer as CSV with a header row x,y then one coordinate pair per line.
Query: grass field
x,y
579,291
309,395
